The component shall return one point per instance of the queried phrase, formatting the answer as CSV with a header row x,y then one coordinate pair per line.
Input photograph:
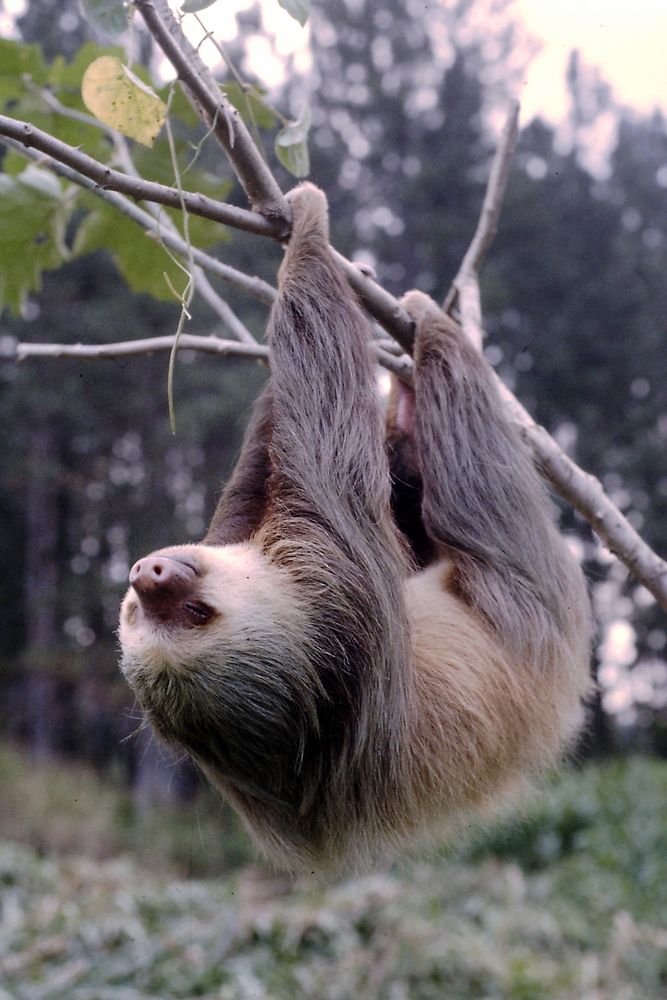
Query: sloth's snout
x,y
167,585
161,581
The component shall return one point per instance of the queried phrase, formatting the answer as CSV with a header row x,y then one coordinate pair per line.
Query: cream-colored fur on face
x,y
238,582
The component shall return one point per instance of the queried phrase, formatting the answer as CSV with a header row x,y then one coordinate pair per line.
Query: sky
x,y
628,49
626,41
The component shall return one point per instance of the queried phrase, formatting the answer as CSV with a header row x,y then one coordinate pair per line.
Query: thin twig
x,y
148,345
400,366
188,292
489,215
221,307
222,117
74,114
583,491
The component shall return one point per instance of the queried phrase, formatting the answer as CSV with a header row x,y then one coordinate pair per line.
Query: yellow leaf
x,y
120,99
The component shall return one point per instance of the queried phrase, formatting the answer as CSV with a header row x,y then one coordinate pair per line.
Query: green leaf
x,y
33,217
120,99
292,145
179,105
298,9
193,6
18,61
249,106
155,164
111,17
140,258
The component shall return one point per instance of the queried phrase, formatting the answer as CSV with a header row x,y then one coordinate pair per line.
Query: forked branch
x,y
218,113
491,207
135,187
583,491
270,218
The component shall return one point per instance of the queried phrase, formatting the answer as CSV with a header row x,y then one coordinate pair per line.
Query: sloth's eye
x,y
198,613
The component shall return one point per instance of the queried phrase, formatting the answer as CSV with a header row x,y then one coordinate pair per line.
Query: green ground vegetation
x,y
569,901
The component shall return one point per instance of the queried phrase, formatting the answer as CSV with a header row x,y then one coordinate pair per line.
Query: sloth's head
x,y
190,601
212,644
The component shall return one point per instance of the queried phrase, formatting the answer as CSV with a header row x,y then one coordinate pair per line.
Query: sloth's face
x,y
210,636
189,601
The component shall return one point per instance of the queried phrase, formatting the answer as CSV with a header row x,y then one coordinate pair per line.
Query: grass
x,y
67,809
568,903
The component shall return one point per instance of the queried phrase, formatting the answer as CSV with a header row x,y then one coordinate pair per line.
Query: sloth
x,y
382,633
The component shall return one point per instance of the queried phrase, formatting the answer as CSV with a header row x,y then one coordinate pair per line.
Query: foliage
x,y
292,146
62,809
591,923
108,16
609,812
119,99
54,96
29,85
33,216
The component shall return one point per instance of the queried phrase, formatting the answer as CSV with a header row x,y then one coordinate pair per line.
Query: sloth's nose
x,y
160,580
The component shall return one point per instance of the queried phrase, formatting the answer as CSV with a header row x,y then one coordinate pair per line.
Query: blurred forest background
x,y
406,101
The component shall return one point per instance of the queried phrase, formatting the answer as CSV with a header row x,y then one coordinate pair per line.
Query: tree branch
x,y
382,306
221,307
251,284
583,491
464,286
148,345
219,114
401,366
135,187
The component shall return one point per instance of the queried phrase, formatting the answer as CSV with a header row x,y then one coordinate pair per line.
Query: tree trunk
x,y
42,721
